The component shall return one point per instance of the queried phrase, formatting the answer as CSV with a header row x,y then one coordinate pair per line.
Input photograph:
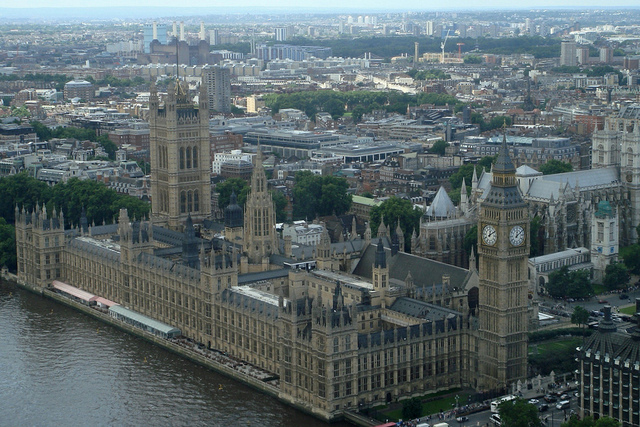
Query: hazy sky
x,y
326,4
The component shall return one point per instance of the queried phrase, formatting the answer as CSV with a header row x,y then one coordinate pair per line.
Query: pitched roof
x,y
425,272
442,206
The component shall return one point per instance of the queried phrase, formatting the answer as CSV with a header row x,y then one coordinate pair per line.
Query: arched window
x,y
189,201
600,154
181,158
183,202
196,200
188,157
630,157
195,157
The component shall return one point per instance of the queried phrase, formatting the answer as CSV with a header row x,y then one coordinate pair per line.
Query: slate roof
x,y
587,178
425,272
421,309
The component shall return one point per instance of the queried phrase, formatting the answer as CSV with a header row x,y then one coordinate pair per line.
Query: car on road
x,y
624,296
543,408
533,401
550,399
565,397
462,419
602,301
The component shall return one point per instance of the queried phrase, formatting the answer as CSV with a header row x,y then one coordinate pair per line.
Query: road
x,y
552,417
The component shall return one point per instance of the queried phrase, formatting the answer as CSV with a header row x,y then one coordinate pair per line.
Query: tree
x,y
108,146
280,203
631,257
7,245
395,209
616,276
580,316
574,284
555,166
315,195
224,190
471,239
411,408
519,413
21,190
439,147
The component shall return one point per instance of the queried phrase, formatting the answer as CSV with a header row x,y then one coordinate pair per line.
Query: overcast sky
x,y
325,4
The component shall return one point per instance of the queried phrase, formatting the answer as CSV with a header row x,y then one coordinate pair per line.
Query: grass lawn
x,y
433,407
558,346
631,310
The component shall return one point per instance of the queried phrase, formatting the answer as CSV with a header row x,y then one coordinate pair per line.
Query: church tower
x,y
503,243
260,239
180,157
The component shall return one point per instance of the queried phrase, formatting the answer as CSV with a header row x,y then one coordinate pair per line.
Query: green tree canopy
x,y
315,195
7,245
439,147
631,257
573,284
555,166
411,408
102,204
616,276
224,190
280,203
394,209
590,422
519,413
580,316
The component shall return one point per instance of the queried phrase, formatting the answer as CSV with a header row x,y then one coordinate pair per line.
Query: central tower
x,y
503,244
180,157
260,239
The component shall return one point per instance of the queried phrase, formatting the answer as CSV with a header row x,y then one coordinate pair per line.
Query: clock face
x,y
489,235
516,235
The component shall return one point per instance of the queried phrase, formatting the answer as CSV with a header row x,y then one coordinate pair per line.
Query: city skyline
x,y
292,6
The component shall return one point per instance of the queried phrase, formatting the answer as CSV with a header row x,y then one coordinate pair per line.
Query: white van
x,y
495,419
564,404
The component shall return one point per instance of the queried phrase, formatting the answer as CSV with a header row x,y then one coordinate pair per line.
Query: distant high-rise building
x,y
606,55
218,82
214,37
429,28
582,54
568,54
280,34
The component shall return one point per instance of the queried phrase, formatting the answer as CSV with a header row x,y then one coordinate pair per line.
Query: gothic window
x,y
183,202
195,157
182,158
630,157
196,201
600,231
189,201
600,154
188,157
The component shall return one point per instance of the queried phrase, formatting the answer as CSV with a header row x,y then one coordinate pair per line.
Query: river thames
x,y
59,367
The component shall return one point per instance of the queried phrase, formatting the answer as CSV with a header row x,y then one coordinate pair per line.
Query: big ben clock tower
x,y
503,243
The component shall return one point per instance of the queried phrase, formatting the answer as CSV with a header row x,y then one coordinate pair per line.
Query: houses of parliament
x,y
348,325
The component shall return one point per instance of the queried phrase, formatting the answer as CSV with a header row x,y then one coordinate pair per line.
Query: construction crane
x,y
442,45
